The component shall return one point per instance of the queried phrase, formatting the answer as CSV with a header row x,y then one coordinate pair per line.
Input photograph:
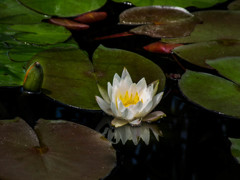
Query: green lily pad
x,y
42,33
180,3
11,73
235,5
12,12
198,53
13,58
235,148
53,150
107,62
70,77
216,25
228,67
212,92
63,8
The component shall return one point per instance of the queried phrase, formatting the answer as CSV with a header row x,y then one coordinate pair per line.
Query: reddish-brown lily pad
x,y
69,23
159,21
159,47
53,150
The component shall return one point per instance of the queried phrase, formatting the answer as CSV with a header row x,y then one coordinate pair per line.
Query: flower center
x,y
129,100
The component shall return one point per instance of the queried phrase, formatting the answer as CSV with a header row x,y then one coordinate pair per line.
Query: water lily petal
x,y
154,116
114,109
109,91
146,109
136,108
132,89
141,85
156,100
135,122
116,80
103,93
155,86
116,122
104,105
129,115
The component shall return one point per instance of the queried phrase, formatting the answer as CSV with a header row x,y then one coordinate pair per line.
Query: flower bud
x,y
33,78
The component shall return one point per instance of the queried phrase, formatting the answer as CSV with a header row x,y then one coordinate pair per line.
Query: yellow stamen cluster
x,y
129,100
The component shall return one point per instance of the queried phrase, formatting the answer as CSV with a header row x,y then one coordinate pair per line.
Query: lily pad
x,y
216,25
228,67
159,21
42,33
235,148
207,50
153,15
180,3
12,12
212,92
235,5
63,8
70,77
53,150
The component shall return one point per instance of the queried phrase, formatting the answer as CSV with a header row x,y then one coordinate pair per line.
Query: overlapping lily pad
x,y
180,3
13,58
42,33
62,7
71,78
159,21
53,150
216,25
12,12
213,92
198,53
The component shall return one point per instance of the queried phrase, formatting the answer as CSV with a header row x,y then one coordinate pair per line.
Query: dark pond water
x,y
195,141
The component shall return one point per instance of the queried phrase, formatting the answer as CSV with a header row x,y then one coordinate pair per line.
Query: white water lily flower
x,y
129,102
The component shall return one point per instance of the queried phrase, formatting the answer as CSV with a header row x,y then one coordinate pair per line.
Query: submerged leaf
x,y
53,150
